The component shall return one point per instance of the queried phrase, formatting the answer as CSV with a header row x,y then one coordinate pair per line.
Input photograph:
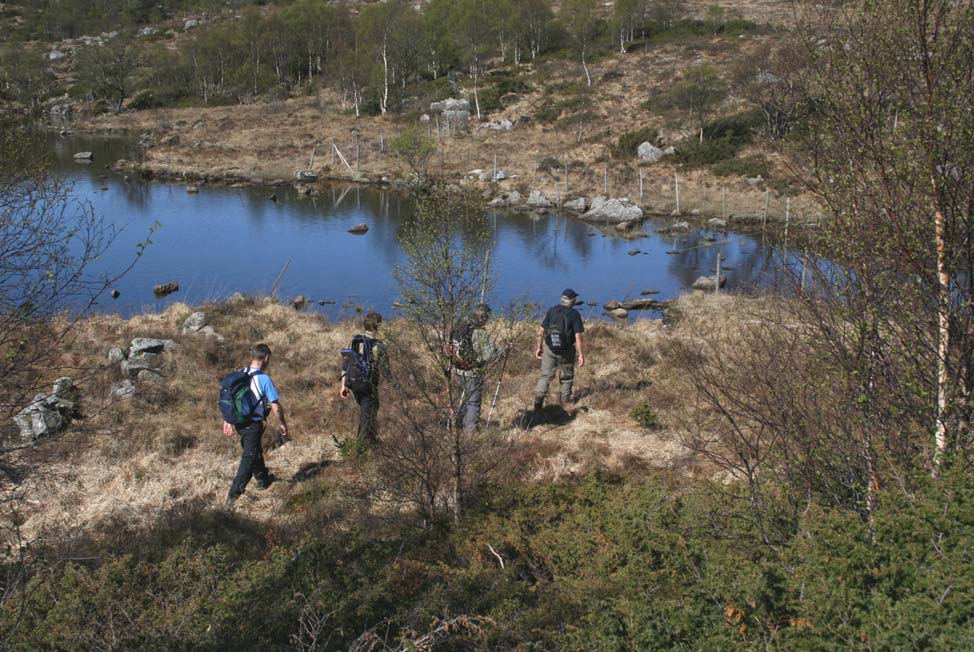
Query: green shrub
x,y
745,166
694,154
144,100
645,416
501,93
547,112
739,128
630,141
600,561
723,139
550,164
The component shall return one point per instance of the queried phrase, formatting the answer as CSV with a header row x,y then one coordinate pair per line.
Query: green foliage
x,y
645,416
595,562
689,30
697,95
145,99
744,166
723,139
630,141
415,148
502,91
694,154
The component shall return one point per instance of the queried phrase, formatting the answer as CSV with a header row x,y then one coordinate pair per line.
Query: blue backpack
x,y
358,365
238,405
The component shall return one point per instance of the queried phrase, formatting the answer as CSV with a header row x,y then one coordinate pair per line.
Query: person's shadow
x,y
549,415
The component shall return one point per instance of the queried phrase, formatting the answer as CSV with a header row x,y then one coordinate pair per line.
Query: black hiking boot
x,y
228,505
266,482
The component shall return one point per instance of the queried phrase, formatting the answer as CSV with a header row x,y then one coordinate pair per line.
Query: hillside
x,y
533,114
785,469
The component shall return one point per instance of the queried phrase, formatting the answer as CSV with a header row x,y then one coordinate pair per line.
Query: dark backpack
x,y
238,405
556,335
459,349
358,364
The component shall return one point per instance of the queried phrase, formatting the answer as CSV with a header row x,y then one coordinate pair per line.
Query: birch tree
x,y
889,152
582,23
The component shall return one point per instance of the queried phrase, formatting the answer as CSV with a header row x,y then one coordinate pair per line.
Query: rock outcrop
x,y
577,205
454,115
194,323
48,414
505,199
538,199
708,283
612,211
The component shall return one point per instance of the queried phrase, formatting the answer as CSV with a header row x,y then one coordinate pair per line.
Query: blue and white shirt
x,y
263,389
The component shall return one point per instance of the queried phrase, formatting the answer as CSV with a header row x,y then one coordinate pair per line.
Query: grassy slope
x,y
272,140
163,453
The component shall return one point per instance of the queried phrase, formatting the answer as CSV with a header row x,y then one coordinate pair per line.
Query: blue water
x,y
225,240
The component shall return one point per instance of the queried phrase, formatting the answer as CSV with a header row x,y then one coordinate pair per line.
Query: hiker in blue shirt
x,y
251,432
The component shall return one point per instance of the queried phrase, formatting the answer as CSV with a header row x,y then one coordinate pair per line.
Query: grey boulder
x,y
498,125
194,323
115,355
450,104
123,390
47,415
505,199
708,283
612,211
649,152
150,345
577,205
538,199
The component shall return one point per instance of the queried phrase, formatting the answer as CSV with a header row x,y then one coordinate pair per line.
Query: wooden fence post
x,y
717,283
676,186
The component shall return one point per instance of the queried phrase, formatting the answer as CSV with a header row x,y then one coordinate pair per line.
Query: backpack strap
x,y
253,374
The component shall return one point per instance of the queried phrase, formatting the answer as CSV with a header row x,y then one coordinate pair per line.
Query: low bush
x,y
600,561
144,100
744,166
723,139
630,141
694,154
645,416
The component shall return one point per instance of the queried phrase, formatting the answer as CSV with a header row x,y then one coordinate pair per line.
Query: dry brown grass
x,y
135,462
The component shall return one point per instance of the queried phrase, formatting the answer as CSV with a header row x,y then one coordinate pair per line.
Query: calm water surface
x,y
225,240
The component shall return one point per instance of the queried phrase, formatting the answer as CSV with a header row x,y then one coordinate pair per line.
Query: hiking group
x,y
248,396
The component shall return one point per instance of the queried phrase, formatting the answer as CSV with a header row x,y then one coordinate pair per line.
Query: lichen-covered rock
x,y
708,283
149,345
577,205
123,390
538,199
194,323
612,211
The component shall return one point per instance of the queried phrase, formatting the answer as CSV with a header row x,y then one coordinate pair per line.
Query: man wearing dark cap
x,y
559,347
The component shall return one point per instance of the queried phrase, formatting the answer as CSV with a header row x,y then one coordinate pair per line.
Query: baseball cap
x,y
569,293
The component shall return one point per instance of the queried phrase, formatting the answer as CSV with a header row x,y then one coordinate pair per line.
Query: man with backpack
x,y
470,350
361,363
559,348
246,396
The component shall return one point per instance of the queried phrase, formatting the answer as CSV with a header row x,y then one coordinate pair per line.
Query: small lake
x,y
225,240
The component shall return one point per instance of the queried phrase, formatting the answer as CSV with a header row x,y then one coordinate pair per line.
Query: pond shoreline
x,y
168,157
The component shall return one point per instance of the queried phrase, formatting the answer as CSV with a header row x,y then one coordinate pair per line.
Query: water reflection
x,y
224,240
